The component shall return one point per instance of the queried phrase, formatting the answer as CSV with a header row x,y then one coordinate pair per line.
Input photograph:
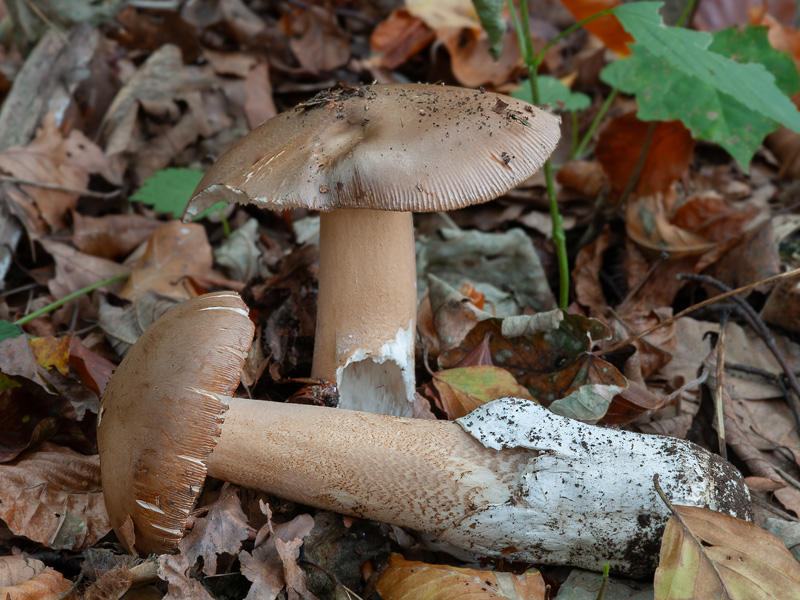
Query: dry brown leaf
x,y
76,270
584,176
14,569
175,252
111,236
24,578
398,38
724,558
258,103
147,31
586,274
315,38
471,61
412,580
272,563
222,530
53,495
704,224
54,158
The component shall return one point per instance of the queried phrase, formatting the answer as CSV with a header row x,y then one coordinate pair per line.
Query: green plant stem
x,y
601,592
226,226
532,60
68,298
686,12
637,169
568,30
596,123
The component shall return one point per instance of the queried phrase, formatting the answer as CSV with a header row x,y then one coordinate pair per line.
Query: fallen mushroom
x,y
358,155
508,480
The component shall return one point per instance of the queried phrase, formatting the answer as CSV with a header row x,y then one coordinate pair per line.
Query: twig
x,y
763,331
693,308
61,188
48,22
661,258
720,382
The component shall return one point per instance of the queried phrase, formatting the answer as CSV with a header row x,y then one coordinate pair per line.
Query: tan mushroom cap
x,y
160,419
401,147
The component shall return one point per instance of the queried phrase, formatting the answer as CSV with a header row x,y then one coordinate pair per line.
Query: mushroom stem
x,y
367,309
509,480
418,473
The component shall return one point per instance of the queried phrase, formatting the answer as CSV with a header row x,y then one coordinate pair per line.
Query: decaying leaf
x,y
459,391
548,353
272,563
53,495
621,143
23,578
706,554
412,580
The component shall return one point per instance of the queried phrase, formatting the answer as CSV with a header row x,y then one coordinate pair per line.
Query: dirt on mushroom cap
x,y
405,147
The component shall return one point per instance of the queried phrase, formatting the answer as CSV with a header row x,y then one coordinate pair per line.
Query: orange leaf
x,y
621,143
607,28
400,37
412,580
93,369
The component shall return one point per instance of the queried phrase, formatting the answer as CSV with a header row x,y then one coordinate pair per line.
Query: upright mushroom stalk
x,y
367,157
508,480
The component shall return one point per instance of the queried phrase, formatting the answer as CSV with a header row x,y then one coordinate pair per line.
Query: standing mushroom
x,y
509,480
366,157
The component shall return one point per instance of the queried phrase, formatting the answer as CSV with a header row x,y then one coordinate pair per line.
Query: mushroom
x,y
366,157
509,480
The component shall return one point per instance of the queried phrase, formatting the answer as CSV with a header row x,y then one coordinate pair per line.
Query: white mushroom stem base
x,y
509,480
367,309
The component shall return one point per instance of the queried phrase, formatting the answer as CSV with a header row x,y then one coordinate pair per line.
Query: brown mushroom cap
x,y
160,419
402,147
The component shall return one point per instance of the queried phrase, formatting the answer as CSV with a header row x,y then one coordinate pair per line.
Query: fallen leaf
x,y
146,31
258,103
702,223
315,38
608,29
222,530
52,495
93,369
620,146
471,61
52,352
174,253
26,420
398,38
23,578
54,158
112,236
459,391
549,356
707,554
412,580
272,564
